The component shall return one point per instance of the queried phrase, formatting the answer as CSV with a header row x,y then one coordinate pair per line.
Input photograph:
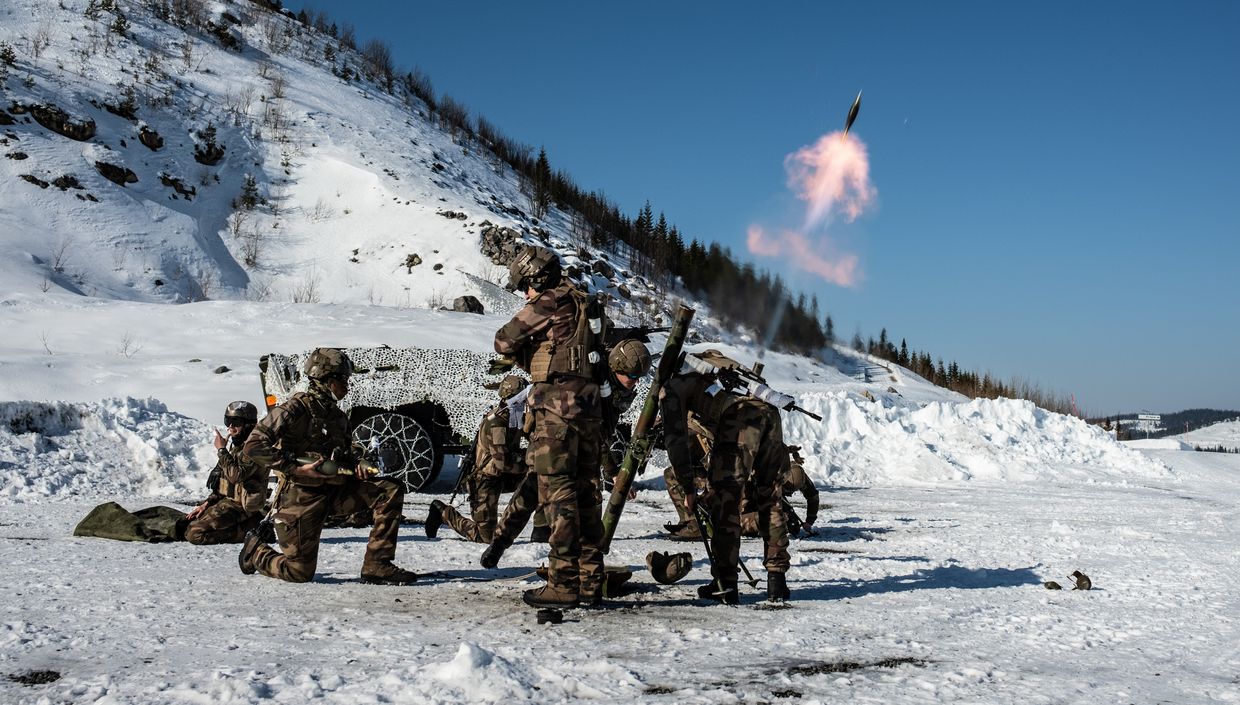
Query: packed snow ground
x,y
943,518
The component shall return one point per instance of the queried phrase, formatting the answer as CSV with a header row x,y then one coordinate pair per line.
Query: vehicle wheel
x,y
401,447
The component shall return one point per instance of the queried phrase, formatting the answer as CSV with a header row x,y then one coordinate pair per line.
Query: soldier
x,y
747,442
557,338
311,424
794,480
498,466
628,362
238,486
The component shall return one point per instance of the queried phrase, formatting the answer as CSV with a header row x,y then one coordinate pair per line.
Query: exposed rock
x,y
209,154
179,186
35,180
467,304
411,261
6,119
603,269
58,121
437,267
221,369
66,182
624,291
454,214
17,155
500,245
150,138
116,174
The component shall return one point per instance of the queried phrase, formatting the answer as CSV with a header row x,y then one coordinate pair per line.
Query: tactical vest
x,y
579,355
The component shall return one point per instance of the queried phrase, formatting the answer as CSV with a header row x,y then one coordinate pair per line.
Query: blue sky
x,y
1057,188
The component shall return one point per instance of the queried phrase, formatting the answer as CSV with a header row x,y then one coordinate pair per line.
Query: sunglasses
x,y
234,422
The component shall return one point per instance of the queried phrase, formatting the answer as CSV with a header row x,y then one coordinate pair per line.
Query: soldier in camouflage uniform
x,y
627,362
238,486
794,480
746,446
499,465
557,337
311,425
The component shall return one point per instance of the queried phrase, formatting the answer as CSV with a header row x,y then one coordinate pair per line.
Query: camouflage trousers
x,y
522,505
226,521
566,455
677,492
301,511
484,493
748,450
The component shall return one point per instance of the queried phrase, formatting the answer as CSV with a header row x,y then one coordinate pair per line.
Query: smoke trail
x,y
832,176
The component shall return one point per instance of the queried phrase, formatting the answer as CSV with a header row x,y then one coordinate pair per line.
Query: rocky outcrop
x,y
34,180
500,245
58,121
150,138
209,154
179,186
116,174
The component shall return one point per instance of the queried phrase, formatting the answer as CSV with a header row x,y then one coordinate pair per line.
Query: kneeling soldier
x,y
499,464
311,424
238,486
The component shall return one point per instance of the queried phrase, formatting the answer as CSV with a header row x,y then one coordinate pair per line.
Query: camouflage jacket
x,y
499,446
683,395
308,422
550,319
241,480
614,407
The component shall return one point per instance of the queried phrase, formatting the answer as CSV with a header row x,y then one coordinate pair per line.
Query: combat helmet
x,y
510,385
666,568
328,362
534,267
629,358
241,411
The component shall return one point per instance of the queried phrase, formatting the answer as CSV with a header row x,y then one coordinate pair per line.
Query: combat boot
x,y
245,559
540,534
389,575
495,551
434,518
729,595
550,596
688,532
777,587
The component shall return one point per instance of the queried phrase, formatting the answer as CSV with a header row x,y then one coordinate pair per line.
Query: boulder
x,y
150,139
603,269
58,121
467,304
116,174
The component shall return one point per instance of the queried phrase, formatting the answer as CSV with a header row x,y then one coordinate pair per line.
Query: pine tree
x,y
542,185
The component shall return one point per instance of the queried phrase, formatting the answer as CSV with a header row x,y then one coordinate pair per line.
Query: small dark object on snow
x,y
549,615
221,369
467,304
1052,585
1082,581
35,677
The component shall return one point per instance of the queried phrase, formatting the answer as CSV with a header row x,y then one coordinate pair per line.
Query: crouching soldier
x,y
238,486
794,480
310,425
746,446
498,466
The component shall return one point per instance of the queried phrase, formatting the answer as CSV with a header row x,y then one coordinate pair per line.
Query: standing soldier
x,y
498,467
238,486
311,425
628,362
746,444
557,337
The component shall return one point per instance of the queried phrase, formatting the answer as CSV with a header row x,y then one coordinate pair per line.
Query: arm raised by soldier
x,y
281,422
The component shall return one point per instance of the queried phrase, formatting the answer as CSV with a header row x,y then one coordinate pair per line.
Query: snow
x,y
942,516
1225,434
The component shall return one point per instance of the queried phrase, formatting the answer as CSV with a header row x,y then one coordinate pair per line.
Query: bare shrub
x,y
437,300
271,27
277,86
259,289
130,345
60,253
321,211
40,39
307,290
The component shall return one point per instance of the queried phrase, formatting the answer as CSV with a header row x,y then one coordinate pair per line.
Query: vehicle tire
x,y
401,447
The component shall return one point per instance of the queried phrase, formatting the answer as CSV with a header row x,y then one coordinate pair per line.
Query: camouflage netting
x,y
388,378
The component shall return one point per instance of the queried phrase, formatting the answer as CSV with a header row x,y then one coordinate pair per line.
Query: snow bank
x,y
862,442
1157,444
116,446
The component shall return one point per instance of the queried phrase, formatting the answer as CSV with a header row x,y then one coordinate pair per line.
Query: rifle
x,y
468,461
745,381
638,452
708,532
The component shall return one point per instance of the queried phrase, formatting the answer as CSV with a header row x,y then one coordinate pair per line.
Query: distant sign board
x,y
1149,417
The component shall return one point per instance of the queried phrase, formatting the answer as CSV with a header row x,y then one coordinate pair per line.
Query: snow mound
x,y
116,446
1169,443
864,442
